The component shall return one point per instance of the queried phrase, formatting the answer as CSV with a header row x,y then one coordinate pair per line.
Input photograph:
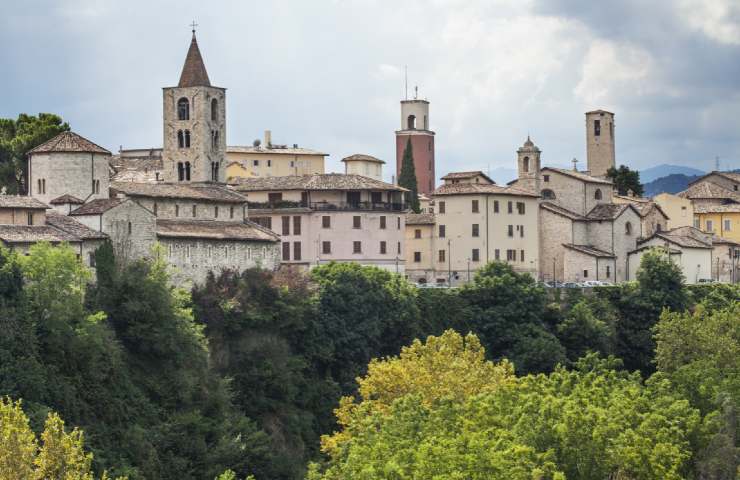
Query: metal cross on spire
x,y
575,162
193,25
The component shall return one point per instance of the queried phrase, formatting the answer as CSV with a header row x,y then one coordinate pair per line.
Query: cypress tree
x,y
407,178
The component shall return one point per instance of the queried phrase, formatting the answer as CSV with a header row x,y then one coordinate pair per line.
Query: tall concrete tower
x,y
528,167
415,127
194,125
600,155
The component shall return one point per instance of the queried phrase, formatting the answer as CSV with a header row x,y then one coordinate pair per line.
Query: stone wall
x,y
570,193
555,230
183,209
70,173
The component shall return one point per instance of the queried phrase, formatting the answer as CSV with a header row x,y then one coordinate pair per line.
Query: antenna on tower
x,y
416,92
406,78
575,163
716,163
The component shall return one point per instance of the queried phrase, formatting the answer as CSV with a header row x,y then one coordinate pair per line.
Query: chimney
x,y
268,138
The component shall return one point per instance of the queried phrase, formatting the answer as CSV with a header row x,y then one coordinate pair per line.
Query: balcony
x,y
331,206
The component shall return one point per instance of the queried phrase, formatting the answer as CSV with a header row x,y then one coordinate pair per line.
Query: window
x,y
548,194
398,223
155,208
296,225
525,164
476,229
597,194
326,221
356,247
286,251
441,207
510,255
231,212
520,208
187,171
417,233
382,222
417,257
255,163
296,250
521,231
597,128
608,271
177,210
511,230
187,138
628,228
697,223
263,221
411,122
495,206
215,211
710,226
521,256
214,110
29,218
727,226
376,197
511,207
326,247
497,254
475,255
274,198
475,206
383,248
441,256
399,248
269,162
356,221
91,259
286,226
442,231
195,211
183,109
546,178
585,274
129,228
180,139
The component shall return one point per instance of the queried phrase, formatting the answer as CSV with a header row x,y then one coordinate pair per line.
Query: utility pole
x,y
449,262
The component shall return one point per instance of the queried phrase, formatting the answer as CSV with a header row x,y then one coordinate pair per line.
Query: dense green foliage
x,y
626,180
245,376
407,177
18,137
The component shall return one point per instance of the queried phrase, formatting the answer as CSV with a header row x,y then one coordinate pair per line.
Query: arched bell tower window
x,y
412,122
548,194
628,228
183,109
187,171
180,171
187,138
525,164
214,110
180,139
597,194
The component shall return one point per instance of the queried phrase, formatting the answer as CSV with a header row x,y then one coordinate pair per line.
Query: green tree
x,y
18,137
407,177
626,180
582,331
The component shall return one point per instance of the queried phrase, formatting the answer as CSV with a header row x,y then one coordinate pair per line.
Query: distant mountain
x,y
654,173
675,183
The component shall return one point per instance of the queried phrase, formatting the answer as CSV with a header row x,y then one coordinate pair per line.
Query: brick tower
x,y
415,126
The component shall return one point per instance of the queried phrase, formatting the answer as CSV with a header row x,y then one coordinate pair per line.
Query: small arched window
x,y
183,109
411,121
187,138
180,139
180,171
129,228
525,164
548,194
187,171
39,186
214,110
155,210
628,228
597,194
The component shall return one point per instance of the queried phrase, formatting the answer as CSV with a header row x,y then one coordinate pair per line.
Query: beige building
x,y
715,198
600,143
365,165
680,211
270,160
331,217
691,249
475,222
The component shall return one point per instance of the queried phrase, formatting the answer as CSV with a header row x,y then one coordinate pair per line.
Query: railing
x,y
331,206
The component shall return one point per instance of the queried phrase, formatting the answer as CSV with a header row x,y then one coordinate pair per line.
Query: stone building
x,y
475,222
652,216
415,128
715,199
600,143
331,217
365,165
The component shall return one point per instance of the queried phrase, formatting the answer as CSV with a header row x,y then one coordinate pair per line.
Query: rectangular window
x,y
231,212
608,271
376,197
155,209
286,251
497,254
442,231
296,250
710,226
417,233
274,198
510,255
383,247
382,222
286,226
511,230
398,223
511,207
585,274
356,247
441,207
441,256
495,206
269,163
475,255
296,225
399,248
727,225
475,206
256,163
91,258
521,256
597,128
326,221
521,231
546,177
356,221
697,223
520,208
417,257
476,231
195,211
326,247
30,218
215,211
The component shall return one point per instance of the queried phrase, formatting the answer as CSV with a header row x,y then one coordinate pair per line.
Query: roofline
x,y
663,236
603,255
475,174
510,194
564,171
196,86
713,172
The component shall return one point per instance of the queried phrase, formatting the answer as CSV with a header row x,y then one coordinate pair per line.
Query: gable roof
x,y
729,208
557,209
732,176
688,237
610,211
73,227
97,206
205,192
21,201
316,181
420,219
68,142
646,208
465,175
480,188
34,233
194,70
66,198
214,230
707,189
578,175
359,157
588,250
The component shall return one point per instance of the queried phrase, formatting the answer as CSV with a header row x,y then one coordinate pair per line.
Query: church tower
x,y
415,127
194,125
600,155
528,167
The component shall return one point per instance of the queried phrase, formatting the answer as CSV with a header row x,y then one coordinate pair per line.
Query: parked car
x,y
706,280
572,285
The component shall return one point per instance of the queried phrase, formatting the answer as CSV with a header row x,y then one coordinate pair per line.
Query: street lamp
x,y
468,269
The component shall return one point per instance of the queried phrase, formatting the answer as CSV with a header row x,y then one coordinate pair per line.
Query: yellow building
x,y
721,220
270,160
680,211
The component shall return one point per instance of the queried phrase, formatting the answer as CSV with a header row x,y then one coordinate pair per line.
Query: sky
x,y
329,75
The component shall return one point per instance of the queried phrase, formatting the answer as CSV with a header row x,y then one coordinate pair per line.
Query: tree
x,y
19,136
582,331
57,456
407,177
626,180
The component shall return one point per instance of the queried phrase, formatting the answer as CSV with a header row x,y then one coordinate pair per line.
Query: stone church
x,y
177,200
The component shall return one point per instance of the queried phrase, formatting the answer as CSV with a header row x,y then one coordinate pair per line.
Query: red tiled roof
x,y
68,142
194,71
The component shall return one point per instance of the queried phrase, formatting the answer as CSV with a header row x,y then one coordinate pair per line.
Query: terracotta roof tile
x,y
206,192
277,150
68,142
97,206
34,233
465,175
66,198
20,201
729,208
578,175
362,157
317,181
562,211
214,230
609,211
707,189
420,219
194,71
73,227
480,188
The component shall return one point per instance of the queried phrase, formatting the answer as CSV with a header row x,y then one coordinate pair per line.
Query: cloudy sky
x,y
329,74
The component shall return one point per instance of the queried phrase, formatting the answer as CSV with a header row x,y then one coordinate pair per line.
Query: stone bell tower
x,y
600,155
415,129
528,167
194,125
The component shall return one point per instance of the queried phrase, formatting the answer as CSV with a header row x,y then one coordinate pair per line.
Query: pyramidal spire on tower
x,y
194,70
